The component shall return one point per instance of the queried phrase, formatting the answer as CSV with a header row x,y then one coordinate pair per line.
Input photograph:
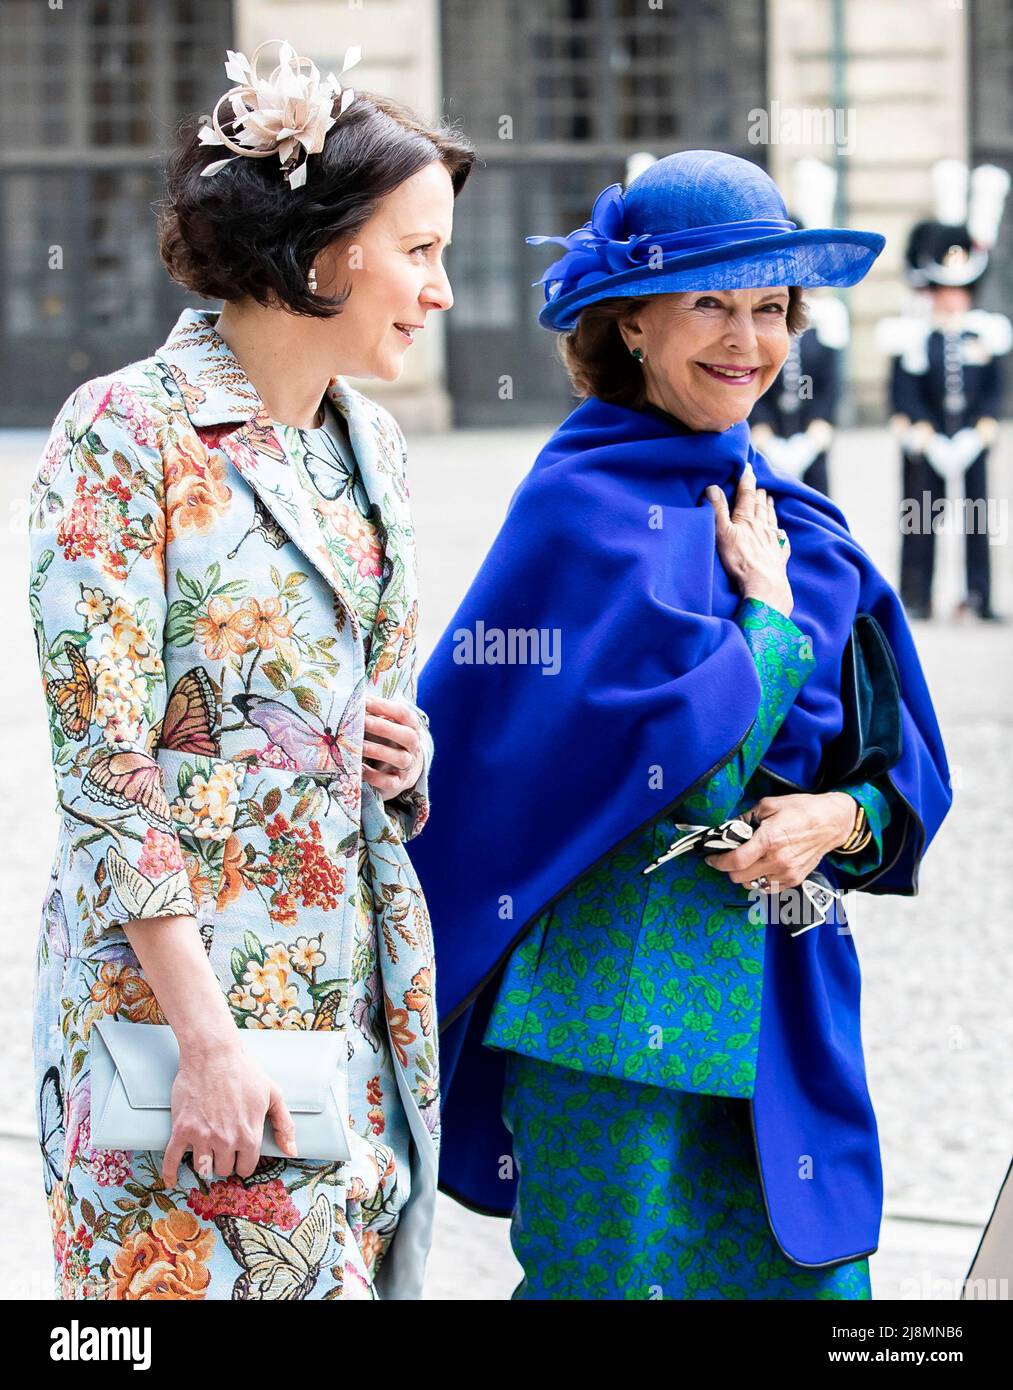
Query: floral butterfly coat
x,y
205,674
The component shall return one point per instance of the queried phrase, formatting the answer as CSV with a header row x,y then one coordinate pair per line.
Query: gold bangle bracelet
x,y
858,835
854,849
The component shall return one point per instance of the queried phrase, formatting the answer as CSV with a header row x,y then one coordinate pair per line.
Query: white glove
x,y
914,438
953,457
804,449
792,456
774,450
966,444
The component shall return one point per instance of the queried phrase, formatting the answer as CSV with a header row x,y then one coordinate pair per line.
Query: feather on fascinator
x,y
287,114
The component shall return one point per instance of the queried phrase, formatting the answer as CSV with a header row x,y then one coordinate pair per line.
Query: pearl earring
x,y
311,280
638,354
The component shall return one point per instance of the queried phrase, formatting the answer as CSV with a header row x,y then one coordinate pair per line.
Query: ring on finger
x,y
762,882
782,536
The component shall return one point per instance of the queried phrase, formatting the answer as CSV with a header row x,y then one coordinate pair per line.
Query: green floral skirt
x,y
634,1191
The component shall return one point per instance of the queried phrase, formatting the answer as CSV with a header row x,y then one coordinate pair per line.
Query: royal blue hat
x,y
695,220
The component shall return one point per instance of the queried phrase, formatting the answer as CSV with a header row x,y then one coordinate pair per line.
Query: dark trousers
x,y
918,546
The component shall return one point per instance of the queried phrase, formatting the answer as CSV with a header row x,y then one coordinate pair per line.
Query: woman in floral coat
x,y
224,598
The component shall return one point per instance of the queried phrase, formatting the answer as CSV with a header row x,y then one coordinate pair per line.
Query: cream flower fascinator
x,y
287,114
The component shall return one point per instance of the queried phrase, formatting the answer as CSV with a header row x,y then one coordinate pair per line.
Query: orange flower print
x,y
400,1034
372,1247
419,999
283,909
262,622
77,1272
150,543
120,987
195,488
59,1216
374,1094
232,878
221,631
167,1262
200,883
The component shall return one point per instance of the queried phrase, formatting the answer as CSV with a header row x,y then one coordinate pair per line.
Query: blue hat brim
x,y
809,257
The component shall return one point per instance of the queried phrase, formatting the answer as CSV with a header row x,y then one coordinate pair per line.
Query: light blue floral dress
x,y
200,618
324,460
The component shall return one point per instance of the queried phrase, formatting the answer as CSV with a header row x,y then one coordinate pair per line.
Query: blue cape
x,y
645,685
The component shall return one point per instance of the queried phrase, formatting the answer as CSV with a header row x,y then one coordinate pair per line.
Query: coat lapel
x,y
255,451
378,451
216,391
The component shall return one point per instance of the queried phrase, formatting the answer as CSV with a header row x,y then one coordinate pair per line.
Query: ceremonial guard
x,y
946,384
793,423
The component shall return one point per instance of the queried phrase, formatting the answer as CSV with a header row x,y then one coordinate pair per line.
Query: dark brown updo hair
x,y
600,364
243,231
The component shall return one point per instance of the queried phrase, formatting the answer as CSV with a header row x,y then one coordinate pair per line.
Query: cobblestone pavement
x,y
937,968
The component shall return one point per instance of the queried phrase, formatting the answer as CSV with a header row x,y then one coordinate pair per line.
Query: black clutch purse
x,y
872,736
811,905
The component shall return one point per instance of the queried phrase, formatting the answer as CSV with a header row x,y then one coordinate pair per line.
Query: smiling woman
x,y
632,350
225,603
656,1051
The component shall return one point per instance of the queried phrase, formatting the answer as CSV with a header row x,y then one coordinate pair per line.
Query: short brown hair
x,y
243,231
600,364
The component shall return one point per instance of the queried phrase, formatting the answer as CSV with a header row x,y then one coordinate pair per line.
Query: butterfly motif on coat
x,y
264,526
278,1266
56,928
73,697
333,474
363,1007
52,1128
128,779
390,637
311,749
173,375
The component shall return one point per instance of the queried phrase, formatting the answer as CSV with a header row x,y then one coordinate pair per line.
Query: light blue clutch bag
x,y
133,1066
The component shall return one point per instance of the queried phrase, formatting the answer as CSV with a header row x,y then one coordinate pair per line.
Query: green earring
x,y
638,354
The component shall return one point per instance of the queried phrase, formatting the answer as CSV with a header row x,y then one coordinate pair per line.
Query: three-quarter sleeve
x,y
784,659
98,603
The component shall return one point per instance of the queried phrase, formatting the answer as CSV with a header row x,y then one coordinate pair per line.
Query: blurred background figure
x,y
946,386
793,422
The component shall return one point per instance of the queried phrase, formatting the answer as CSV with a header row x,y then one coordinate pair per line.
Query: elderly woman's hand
x,y
392,755
794,834
750,545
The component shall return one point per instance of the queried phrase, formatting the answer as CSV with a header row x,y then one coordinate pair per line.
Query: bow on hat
x,y
599,249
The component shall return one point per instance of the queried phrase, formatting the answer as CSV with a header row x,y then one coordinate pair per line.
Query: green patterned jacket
x,y
658,978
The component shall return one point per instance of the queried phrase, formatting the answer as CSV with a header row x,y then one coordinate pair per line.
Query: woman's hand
x,y
220,1098
795,832
392,746
752,549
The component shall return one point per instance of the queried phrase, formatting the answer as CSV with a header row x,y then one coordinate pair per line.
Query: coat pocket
x,y
204,795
